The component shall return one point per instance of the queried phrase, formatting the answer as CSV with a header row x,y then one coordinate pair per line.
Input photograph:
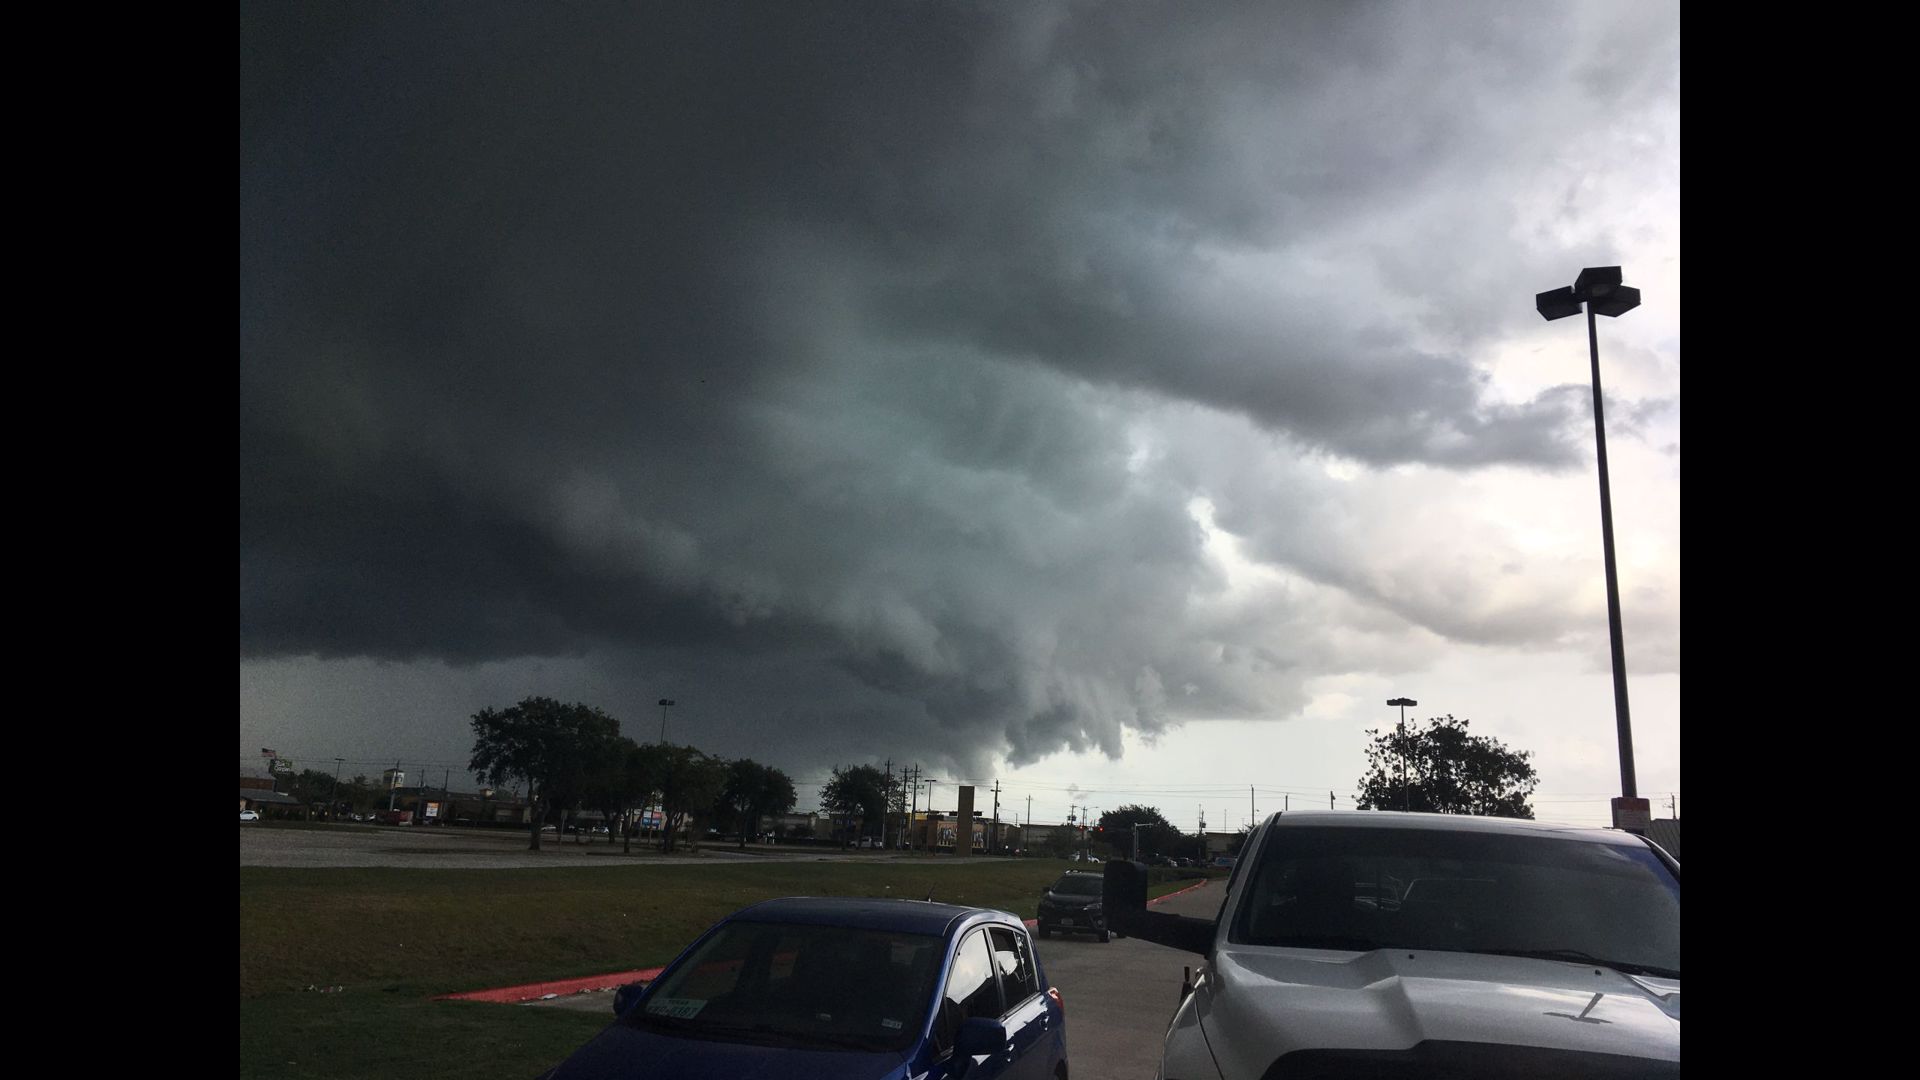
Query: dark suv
x,y
1072,904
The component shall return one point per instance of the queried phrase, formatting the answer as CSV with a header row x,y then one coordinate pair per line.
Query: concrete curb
x,y
510,995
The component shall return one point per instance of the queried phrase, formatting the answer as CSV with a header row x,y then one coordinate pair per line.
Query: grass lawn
x,y
392,938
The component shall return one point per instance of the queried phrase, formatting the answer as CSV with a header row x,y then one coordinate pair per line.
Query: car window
x,y
1078,885
972,990
1013,959
800,986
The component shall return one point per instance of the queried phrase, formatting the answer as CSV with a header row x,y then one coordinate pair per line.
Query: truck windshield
x,y
1365,888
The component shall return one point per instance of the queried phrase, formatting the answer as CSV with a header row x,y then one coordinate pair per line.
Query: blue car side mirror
x,y
624,997
979,1036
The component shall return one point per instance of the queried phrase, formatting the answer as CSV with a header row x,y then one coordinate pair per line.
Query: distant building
x,y
257,794
1666,833
1218,843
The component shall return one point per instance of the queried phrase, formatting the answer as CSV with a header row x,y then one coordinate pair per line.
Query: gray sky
x,y
1119,400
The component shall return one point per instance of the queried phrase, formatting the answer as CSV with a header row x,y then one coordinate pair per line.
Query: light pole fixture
x,y
1406,798
664,703
1599,288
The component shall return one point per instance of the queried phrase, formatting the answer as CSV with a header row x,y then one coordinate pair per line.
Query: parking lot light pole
x,y
664,704
1406,797
1600,290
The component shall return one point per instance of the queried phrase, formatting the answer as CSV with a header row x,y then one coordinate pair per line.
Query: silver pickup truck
x,y
1371,944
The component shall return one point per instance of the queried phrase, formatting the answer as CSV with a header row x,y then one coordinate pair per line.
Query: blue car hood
x,y
628,1053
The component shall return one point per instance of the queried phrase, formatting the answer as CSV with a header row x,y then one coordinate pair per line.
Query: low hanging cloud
x,y
868,358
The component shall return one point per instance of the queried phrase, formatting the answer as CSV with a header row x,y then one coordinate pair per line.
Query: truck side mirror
x,y
1124,895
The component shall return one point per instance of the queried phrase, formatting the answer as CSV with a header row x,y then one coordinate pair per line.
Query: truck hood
x,y
1260,1003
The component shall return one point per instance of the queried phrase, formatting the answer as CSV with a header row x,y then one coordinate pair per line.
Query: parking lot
x,y
1119,996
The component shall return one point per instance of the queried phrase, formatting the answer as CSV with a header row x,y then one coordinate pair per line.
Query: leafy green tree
x,y
1441,768
1118,826
690,783
857,791
753,791
614,786
549,746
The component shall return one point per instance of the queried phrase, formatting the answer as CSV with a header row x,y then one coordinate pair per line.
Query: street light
x,y
1599,288
333,800
664,703
1406,798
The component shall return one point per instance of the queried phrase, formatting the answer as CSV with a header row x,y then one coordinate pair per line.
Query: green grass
x,y
364,1034
392,938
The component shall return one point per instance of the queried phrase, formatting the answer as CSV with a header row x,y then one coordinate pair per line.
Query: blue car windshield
x,y
1516,895
812,987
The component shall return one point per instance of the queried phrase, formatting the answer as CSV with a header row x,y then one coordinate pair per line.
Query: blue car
x,y
840,989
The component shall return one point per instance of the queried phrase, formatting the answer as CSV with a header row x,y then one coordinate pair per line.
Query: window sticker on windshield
x,y
678,1008
890,1025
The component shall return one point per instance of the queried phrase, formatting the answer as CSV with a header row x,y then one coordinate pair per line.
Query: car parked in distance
x,y
840,989
1072,905
1397,945
249,815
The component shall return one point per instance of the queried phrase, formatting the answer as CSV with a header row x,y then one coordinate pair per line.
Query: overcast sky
x,y
1119,400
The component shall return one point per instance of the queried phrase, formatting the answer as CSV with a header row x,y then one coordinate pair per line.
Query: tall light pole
x,y
1599,289
664,705
1406,797
333,800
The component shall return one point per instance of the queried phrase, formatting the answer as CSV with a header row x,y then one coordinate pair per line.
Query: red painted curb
x,y
535,991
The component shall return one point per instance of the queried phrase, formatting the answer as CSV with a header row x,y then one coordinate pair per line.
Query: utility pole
x,y
1673,805
995,843
1286,803
392,781
333,800
913,815
1253,814
1329,800
886,805
664,703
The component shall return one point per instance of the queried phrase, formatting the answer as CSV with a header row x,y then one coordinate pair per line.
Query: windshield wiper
x,y
1578,957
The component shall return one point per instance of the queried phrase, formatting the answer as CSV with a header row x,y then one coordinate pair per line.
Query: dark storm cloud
x,y
816,331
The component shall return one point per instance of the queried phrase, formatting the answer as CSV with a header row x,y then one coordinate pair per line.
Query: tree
x,y
1447,771
614,785
313,788
690,783
751,792
1118,826
548,745
856,791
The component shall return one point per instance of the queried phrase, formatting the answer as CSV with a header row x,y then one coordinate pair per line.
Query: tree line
x,y
572,756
